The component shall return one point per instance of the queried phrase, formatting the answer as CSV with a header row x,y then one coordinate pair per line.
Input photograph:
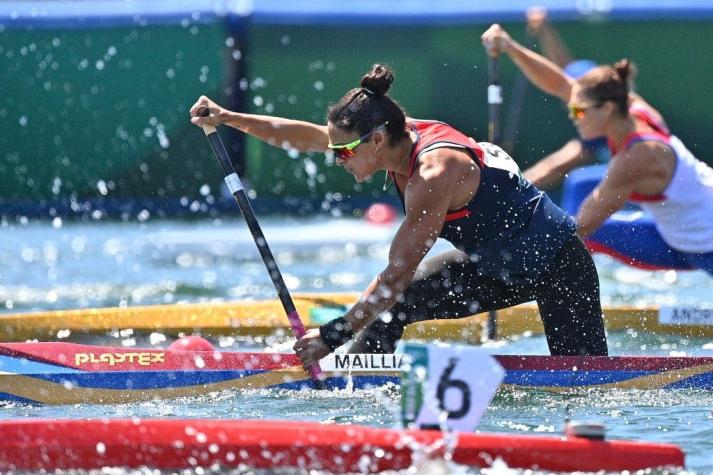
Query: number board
x,y
447,386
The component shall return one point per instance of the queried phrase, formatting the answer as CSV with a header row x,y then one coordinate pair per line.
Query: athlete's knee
x,y
379,336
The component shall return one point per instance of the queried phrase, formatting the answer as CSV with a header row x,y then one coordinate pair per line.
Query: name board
x,y
356,362
685,316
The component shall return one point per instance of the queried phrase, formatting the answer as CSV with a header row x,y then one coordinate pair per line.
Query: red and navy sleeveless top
x,y
510,229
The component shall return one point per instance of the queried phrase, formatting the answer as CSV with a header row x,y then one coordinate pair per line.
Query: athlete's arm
x,y
542,72
620,181
553,48
551,170
428,195
277,131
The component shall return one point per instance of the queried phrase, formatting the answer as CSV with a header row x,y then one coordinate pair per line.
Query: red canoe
x,y
173,444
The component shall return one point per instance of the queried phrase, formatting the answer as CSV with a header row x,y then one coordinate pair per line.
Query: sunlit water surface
x,y
59,265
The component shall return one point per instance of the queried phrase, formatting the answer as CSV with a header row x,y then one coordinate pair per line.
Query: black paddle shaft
x,y
236,188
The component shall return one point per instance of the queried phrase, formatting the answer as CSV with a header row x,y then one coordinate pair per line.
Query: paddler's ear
x,y
379,138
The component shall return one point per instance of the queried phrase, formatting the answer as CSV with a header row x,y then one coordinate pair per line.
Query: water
x,y
48,266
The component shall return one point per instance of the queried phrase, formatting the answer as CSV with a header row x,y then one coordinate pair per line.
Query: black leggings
x,y
448,286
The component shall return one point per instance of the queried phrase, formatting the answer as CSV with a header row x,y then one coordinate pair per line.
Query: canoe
x,y
69,373
46,444
629,235
266,317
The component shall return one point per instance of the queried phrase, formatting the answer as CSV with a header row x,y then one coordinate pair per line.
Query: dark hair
x,y
610,83
364,108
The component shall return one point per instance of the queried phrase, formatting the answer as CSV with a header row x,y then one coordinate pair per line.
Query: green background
x,y
104,111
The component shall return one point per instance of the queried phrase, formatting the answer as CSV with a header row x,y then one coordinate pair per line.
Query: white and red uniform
x,y
683,212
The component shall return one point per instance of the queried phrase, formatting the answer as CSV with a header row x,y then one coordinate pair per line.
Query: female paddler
x,y
513,245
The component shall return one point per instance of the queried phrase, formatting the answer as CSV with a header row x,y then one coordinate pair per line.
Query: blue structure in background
x,y
310,12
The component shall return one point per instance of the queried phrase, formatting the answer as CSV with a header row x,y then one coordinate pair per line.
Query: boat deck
x,y
266,317
67,373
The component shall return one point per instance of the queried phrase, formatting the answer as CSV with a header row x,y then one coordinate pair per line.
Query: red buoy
x,y
191,343
380,213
